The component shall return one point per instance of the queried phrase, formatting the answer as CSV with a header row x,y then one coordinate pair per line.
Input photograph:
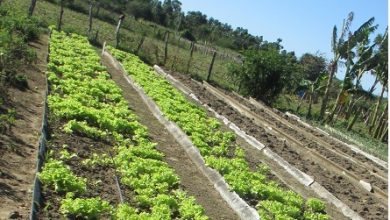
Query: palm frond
x,y
334,39
346,24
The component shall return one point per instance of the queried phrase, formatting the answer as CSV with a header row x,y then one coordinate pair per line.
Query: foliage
x,y
7,119
56,174
312,65
315,205
89,103
15,32
265,73
86,208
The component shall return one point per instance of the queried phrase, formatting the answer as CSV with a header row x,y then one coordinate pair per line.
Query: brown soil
x,y
332,150
19,145
100,179
364,203
192,180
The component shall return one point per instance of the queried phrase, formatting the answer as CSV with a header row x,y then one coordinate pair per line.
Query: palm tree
x,y
337,55
382,71
357,46
378,63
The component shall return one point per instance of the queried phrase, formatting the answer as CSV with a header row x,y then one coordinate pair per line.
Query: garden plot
x,y
101,162
219,149
367,204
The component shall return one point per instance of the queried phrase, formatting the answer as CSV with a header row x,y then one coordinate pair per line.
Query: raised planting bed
x,y
100,161
219,150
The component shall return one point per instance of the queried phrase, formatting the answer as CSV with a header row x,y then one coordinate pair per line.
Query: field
x,y
127,141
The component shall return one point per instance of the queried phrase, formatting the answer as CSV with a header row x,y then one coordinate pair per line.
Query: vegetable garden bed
x,y
219,149
96,141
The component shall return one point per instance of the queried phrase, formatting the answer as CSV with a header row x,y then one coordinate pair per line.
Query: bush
x,y
265,73
188,35
15,33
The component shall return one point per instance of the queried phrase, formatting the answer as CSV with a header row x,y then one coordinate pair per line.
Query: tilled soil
x,y
364,203
360,165
191,179
100,179
19,145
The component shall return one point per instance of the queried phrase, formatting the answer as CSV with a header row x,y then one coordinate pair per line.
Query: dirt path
x,y
18,147
192,180
363,202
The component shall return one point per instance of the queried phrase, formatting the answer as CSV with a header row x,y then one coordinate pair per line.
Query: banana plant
x,y
359,58
382,71
338,54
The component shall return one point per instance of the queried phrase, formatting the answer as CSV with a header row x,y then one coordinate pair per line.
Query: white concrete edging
x,y
243,210
300,176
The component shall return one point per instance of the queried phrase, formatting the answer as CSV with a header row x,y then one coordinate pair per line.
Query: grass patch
x,y
152,50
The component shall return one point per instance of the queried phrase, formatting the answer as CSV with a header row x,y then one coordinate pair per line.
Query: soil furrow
x,y
192,180
362,202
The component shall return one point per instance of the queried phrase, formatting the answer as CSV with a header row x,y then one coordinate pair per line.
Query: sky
x,y
303,25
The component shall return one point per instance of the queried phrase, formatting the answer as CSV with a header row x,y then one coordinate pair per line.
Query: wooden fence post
x,y
117,30
189,60
91,4
31,8
59,25
211,66
166,47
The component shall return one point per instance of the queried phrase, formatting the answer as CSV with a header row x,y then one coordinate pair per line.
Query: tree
x,y
359,59
312,89
312,65
382,72
265,73
337,55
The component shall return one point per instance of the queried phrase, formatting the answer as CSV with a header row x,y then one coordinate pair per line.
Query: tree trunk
x,y
369,112
90,18
350,125
117,30
166,47
354,100
375,116
31,8
59,25
140,44
331,115
381,123
310,104
384,135
380,133
301,101
341,108
328,85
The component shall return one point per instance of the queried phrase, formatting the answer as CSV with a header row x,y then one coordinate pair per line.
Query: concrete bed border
x,y
243,210
300,176
354,148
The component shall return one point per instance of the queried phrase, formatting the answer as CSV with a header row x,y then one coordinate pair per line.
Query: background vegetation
x,y
160,33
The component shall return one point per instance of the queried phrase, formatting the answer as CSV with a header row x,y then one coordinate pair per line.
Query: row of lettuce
x,y
219,149
90,104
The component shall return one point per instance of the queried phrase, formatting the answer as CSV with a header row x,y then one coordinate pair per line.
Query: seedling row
x,y
219,149
101,163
